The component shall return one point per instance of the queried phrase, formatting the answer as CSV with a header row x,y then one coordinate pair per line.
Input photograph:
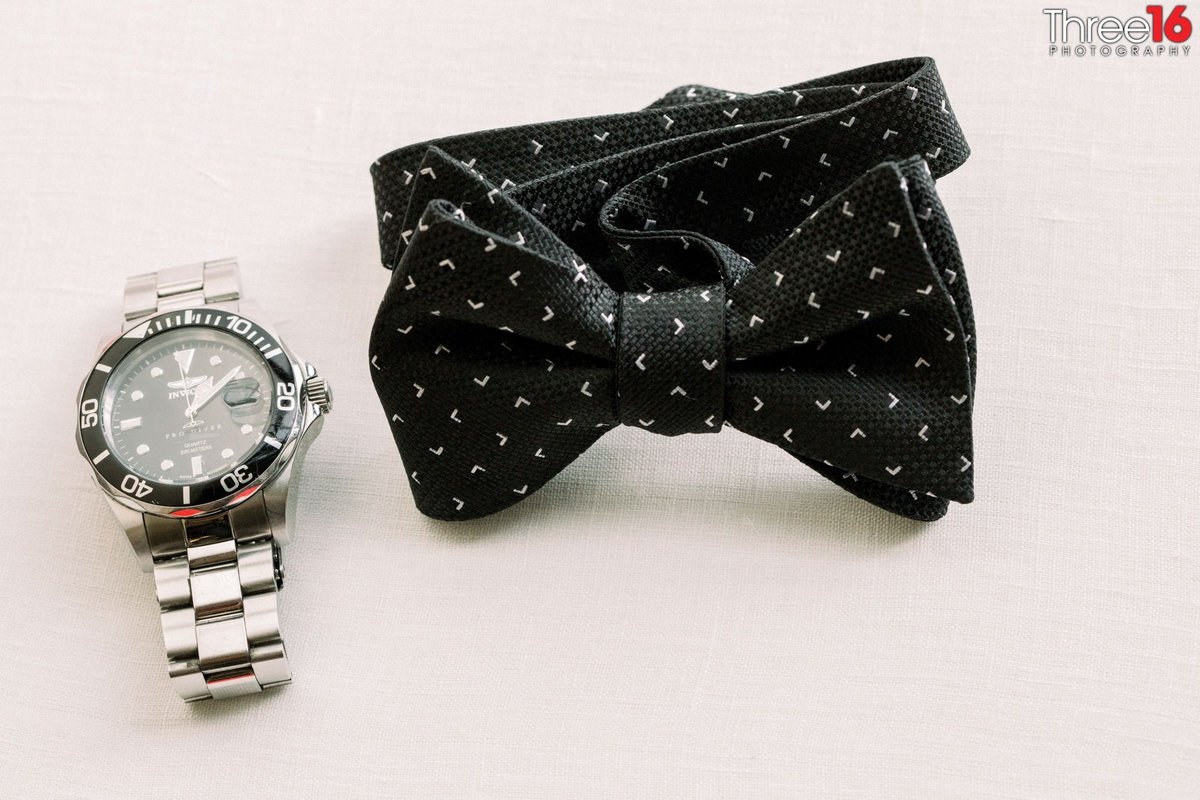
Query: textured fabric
x,y
779,262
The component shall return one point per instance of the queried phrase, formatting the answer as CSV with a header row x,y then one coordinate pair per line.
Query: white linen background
x,y
689,617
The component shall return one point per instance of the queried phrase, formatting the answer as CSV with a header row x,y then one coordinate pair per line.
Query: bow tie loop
x,y
671,360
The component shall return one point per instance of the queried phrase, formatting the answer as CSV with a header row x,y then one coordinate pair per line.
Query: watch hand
x,y
199,403
200,388
183,379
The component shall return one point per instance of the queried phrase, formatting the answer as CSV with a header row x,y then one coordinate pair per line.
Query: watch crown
x,y
319,393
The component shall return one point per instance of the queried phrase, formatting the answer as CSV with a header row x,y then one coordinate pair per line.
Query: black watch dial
x,y
189,409
188,405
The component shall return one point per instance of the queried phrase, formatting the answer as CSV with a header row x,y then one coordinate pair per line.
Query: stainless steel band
x,y
218,576
204,283
219,602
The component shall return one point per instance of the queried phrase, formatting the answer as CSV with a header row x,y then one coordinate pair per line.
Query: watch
x,y
194,420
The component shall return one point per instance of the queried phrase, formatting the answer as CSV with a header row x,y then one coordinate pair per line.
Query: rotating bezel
x,y
223,491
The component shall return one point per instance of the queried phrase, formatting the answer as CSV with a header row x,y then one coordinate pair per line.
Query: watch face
x,y
187,406
191,408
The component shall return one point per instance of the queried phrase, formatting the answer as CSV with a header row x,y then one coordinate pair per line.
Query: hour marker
x,y
131,423
155,372
271,440
142,449
166,464
136,395
184,357
215,361
197,465
100,457
247,428
226,453
187,495
103,368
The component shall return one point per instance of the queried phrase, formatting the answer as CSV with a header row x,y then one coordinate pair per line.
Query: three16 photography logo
x,y
1158,34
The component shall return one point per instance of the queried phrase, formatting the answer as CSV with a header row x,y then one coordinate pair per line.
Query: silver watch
x,y
194,419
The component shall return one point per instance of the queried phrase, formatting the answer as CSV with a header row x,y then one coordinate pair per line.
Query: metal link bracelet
x,y
206,283
219,603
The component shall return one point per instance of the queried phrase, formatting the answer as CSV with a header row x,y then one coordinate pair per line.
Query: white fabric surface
x,y
697,617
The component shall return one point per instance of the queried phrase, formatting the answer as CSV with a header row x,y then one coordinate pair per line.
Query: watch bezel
x,y
222,491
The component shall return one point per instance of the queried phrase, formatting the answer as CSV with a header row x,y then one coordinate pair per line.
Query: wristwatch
x,y
194,420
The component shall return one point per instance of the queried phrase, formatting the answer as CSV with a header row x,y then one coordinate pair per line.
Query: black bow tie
x,y
779,262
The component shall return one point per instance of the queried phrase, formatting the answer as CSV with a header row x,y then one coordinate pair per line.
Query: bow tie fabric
x,y
776,262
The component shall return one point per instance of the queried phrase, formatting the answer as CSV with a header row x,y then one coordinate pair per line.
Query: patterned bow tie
x,y
778,262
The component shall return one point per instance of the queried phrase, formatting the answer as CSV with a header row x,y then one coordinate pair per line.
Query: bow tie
x,y
777,262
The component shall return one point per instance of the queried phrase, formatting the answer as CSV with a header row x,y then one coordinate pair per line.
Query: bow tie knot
x,y
670,360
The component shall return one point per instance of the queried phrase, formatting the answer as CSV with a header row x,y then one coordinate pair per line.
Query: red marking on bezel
x,y
242,495
185,512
